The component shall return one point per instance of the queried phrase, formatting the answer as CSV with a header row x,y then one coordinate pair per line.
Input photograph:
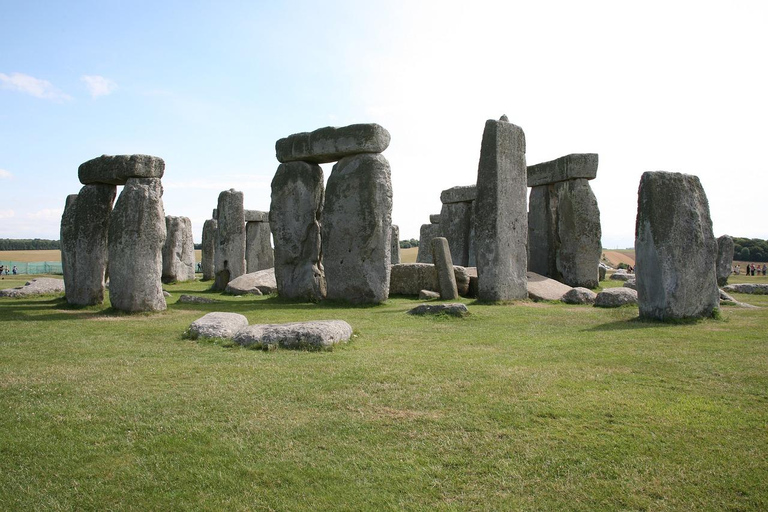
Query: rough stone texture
x,y
261,282
544,288
724,259
217,325
601,273
428,295
446,281
215,214
622,275
221,280
314,335
461,194
675,250
751,288
178,250
451,308
39,286
411,278
136,237
194,299
255,216
542,232
229,252
434,218
455,225
116,170
294,218
501,215
727,300
579,295
331,144
569,167
426,234
208,249
615,297
631,283
394,241
355,232
258,249
84,230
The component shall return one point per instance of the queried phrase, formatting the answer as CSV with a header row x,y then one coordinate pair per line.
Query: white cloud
x,y
46,214
5,174
98,85
33,86
7,214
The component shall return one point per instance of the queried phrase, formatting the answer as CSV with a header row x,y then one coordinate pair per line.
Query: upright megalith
x,y
724,259
426,234
675,250
229,249
446,280
394,243
356,229
178,250
208,249
136,237
258,249
501,216
294,219
331,144
456,221
84,231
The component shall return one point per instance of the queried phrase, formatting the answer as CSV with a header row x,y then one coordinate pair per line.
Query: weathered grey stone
x,y
194,299
178,250
455,225
631,283
215,214
39,286
451,309
116,170
355,231
136,237
601,273
461,194
544,288
261,282
751,288
426,234
724,259
622,275
229,251
428,295
542,232
294,218
728,300
221,280
208,249
579,295
569,167
446,281
675,250
434,219
255,216
217,325
501,216
615,297
258,249
331,144
411,278
394,241
84,230
313,335
166,294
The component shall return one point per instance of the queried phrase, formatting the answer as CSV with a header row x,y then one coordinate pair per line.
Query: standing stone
x,y
456,225
675,249
85,227
578,233
230,234
724,259
441,254
501,215
294,218
208,249
542,231
178,250
136,237
258,249
426,234
356,229
394,238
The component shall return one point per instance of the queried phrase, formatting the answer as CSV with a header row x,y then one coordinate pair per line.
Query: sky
x,y
210,86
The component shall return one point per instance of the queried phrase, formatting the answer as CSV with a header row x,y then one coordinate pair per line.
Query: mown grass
x,y
525,406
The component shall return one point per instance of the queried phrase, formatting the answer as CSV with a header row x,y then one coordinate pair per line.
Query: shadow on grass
x,y
646,323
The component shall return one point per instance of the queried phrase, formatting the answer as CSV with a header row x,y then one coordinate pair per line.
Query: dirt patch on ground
x,y
616,257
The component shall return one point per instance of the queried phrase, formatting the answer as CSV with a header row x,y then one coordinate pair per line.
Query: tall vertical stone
x,y
230,234
579,233
426,234
446,280
501,215
542,231
294,218
84,241
724,259
675,250
178,250
455,223
136,237
395,245
356,229
208,249
258,249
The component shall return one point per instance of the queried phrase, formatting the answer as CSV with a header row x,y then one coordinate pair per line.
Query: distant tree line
x,y
750,249
27,244
407,244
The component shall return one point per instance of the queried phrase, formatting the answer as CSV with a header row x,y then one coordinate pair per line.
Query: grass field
x,y
526,406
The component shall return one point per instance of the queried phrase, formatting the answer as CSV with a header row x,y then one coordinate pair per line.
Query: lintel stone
x,y
331,144
116,170
460,194
569,167
256,216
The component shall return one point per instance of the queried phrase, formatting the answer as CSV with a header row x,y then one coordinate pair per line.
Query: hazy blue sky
x,y
210,86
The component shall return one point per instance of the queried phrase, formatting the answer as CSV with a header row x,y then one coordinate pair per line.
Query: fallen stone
x,y
751,288
411,278
544,288
317,334
217,325
451,308
331,144
579,295
118,169
39,286
615,297
724,259
621,275
630,283
262,282
255,216
166,294
194,299
428,295
569,167
459,194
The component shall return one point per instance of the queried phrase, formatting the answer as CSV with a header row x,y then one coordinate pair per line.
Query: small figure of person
x,y
15,270
765,269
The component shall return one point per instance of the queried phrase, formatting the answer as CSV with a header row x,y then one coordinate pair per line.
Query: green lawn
x,y
525,406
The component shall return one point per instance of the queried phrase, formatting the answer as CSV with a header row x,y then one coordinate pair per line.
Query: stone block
x,y
229,249
258,248
569,167
446,281
116,170
459,194
724,259
178,250
255,216
208,249
331,144
426,234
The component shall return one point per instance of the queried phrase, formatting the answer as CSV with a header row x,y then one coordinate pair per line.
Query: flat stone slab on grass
x,y
331,144
615,297
194,299
428,295
727,300
261,282
39,286
217,325
579,295
622,276
753,288
316,334
450,308
544,288
117,169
